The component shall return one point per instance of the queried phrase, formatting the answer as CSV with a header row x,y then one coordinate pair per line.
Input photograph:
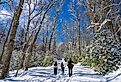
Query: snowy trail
x,y
45,74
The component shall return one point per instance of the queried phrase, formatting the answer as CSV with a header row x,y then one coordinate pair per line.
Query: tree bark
x,y
6,63
26,42
6,39
46,40
23,54
79,37
52,34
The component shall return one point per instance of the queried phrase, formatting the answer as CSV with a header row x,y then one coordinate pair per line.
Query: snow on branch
x,y
108,13
119,28
110,6
90,26
104,22
95,25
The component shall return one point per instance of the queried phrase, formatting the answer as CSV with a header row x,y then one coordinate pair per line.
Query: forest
x,y
35,33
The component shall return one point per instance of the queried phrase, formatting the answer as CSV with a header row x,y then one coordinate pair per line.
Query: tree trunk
x,y
43,42
28,24
27,57
6,39
26,42
52,34
23,54
46,40
6,63
73,38
79,37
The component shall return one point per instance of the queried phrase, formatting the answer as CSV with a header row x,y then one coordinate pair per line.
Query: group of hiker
x,y
70,67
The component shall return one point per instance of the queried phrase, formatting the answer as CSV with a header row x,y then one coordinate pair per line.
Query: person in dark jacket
x,y
62,67
70,67
55,68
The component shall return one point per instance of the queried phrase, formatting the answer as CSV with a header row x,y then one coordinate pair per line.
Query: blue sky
x,y
66,16
65,8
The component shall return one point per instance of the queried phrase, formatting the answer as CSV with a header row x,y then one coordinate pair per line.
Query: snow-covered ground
x,y
45,74
114,77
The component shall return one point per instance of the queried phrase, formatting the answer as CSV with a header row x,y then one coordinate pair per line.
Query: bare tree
x,y
52,34
76,14
6,39
71,32
9,50
104,14
30,19
30,48
8,2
